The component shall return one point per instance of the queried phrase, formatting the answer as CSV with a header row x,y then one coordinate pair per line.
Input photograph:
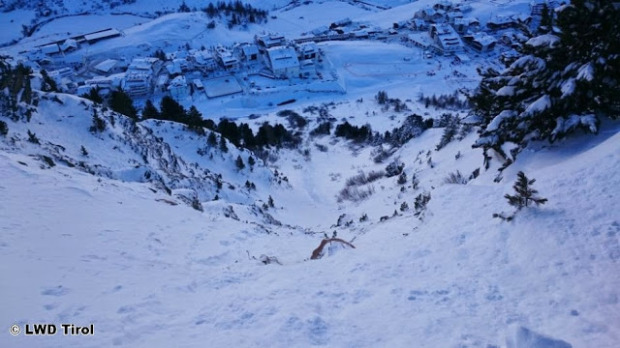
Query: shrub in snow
x,y
98,124
420,203
563,82
455,178
32,137
394,168
402,178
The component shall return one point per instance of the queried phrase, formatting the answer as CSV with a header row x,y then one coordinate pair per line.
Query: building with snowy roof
x,y
69,45
178,88
107,66
308,50
446,38
269,40
480,41
102,35
283,61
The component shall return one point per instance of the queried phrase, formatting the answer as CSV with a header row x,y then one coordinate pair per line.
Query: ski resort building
x,y
178,88
283,62
480,41
445,37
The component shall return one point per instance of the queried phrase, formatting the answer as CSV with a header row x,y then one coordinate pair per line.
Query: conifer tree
x,y
565,80
525,195
223,146
122,103
150,111
239,163
212,139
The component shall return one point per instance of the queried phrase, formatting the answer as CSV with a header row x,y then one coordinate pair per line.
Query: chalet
x,y
480,41
446,38
178,88
226,59
249,53
308,50
102,35
69,45
430,15
283,62
269,40
498,23
203,60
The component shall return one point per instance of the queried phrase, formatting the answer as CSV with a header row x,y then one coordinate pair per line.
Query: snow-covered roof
x,y
483,39
282,58
249,50
308,47
69,43
50,49
106,65
107,33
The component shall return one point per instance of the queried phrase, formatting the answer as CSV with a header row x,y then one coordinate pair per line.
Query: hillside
x,y
167,231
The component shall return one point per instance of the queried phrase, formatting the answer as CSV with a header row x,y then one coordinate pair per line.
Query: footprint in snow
x,y
55,291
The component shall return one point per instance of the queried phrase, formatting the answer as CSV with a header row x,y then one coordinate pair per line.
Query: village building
x,y
203,60
444,5
283,62
422,40
107,67
308,50
137,83
480,41
101,35
419,24
226,59
429,14
501,22
178,88
267,41
446,38
50,49
249,52
69,45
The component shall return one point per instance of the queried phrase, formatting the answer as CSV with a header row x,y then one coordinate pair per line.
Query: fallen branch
x,y
318,252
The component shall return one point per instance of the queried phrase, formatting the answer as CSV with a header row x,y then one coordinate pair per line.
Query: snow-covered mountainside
x,y
342,208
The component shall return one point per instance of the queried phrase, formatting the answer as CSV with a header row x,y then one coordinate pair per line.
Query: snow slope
x,y
83,249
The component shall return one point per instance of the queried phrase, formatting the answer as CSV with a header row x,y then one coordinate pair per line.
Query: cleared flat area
x,y
222,86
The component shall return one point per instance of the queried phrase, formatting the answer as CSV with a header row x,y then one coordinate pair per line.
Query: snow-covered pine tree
x,y
566,79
